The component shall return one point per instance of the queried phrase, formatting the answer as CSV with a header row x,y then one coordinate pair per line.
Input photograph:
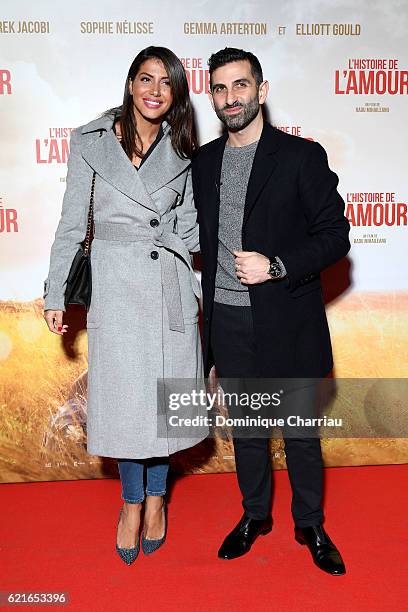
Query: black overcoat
x,y
292,210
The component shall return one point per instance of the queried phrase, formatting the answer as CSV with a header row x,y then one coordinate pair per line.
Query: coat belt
x,y
172,245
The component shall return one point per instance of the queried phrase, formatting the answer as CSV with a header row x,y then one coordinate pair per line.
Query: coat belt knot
x,y
172,246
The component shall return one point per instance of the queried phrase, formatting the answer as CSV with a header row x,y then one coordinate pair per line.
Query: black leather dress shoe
x,y
324,553
241,538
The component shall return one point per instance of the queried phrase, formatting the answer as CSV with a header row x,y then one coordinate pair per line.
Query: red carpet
x,y
60,536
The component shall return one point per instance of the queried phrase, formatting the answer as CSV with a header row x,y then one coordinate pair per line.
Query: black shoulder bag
x,y
79,282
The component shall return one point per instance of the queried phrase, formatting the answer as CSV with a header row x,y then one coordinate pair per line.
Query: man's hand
x,y
251,267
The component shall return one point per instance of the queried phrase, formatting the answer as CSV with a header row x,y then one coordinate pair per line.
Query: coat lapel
x,y
214,181
163,165
106,156
263,166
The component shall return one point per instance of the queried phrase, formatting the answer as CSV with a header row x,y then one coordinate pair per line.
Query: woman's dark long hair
x,y
180,116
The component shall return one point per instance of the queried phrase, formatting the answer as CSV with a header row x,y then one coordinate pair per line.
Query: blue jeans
x,y
132,476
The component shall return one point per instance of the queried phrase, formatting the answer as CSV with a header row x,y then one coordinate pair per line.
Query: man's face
x,y
235,96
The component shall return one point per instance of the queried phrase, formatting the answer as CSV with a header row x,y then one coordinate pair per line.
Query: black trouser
x,y
234,350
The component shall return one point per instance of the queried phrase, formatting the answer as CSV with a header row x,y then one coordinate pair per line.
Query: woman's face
x,y
151,91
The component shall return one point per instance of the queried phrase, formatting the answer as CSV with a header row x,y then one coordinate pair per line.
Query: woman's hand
x,y
54,321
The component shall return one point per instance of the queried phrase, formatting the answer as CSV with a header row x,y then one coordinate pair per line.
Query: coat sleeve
x,y
71,228
328,229
187,226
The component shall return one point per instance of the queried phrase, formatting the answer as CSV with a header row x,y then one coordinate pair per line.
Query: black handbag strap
x,y
89,227
87,242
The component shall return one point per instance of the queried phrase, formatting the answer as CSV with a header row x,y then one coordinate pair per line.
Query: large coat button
x,y
154,255
154,222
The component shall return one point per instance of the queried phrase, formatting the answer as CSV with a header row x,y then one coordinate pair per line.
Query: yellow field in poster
x,y
43,392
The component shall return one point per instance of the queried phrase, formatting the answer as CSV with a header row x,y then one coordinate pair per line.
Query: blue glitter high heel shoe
x,y
128,555
150,546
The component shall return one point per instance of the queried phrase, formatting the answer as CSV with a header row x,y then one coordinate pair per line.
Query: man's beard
x,y
244,118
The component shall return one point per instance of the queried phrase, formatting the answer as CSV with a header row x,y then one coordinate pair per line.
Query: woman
x,y
143,318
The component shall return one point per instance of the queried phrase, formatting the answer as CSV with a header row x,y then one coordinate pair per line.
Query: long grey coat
x,y
143,318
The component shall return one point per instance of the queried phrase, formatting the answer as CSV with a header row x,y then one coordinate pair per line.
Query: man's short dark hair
x,y
230,54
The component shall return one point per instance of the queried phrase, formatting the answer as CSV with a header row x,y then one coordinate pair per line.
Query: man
x,y
270,220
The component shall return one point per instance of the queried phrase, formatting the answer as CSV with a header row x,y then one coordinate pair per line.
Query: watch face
x,y
275,270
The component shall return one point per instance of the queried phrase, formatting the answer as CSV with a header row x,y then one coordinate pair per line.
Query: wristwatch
x,y
276,268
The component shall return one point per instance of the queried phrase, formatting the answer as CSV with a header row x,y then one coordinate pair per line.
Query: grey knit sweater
x,y
235,172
